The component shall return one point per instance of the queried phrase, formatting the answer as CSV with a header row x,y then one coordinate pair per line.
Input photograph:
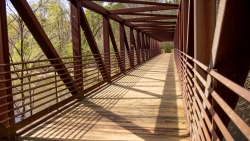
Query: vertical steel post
x,y
231,50
204,22
138,49
4,59
185,22
76,42
122,49
106,46
204,26
132,46
143,48
190,37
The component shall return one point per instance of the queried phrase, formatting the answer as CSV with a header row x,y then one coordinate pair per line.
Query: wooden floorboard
x,y
146,104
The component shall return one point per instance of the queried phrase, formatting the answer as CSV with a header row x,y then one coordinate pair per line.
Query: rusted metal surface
x,y
190,28
138,49
155,24
132,47
48,95
204,22
140,2
100,10
117,54
91,41
122,43
106,45
68,78
38,33
148,18
4,59
76,39
143,9
146,14
212,109
230,52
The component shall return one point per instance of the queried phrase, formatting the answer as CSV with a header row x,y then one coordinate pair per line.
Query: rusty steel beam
x,y
204,22
160,27
148,19
29,18
190,28
92,44
143,48
147,14
138,45
100,10
161,32
106,46
231,49
139,2
143,9
122,48
159,22
132,48
122,31
185,20
155,30
4,59
112,37
76,41
154,24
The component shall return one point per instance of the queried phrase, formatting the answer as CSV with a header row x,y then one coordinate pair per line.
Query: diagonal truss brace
x,y
42,39
92,44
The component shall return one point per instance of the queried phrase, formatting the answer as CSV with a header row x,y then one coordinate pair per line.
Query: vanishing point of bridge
x,y
133,92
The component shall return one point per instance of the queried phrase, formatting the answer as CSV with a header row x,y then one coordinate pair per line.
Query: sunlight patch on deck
x,y
146,104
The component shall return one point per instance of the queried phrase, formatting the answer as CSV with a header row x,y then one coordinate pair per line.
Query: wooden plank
x,y
144,105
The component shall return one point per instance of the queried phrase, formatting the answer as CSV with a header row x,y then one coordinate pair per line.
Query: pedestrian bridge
x,y
144,104
130,90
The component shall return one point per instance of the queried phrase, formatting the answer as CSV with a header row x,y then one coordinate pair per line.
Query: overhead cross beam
x,y
110,13
148,14
140,2
154,24
143,9
148,19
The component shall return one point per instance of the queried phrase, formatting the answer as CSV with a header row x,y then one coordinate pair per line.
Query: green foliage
x,y
167,46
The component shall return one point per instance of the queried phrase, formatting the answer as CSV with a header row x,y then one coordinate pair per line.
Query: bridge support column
x,y
106,46
4,59
76,42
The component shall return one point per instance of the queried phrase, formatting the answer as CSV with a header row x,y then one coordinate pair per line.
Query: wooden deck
x,y
146,104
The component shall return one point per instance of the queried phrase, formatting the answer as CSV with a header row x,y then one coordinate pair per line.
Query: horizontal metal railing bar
x,y
244,128
117,67
40,92
52,65
36,87
215,116
240,91
9,118
231,114
46,60
35,81
41,98
217,119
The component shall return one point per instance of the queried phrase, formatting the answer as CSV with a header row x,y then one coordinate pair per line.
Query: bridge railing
x,y
39,90
200,98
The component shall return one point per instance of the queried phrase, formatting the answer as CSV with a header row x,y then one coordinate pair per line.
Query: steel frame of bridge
x,y
211,52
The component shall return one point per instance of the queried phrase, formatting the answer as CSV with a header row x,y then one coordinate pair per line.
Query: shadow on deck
x,y
145,104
